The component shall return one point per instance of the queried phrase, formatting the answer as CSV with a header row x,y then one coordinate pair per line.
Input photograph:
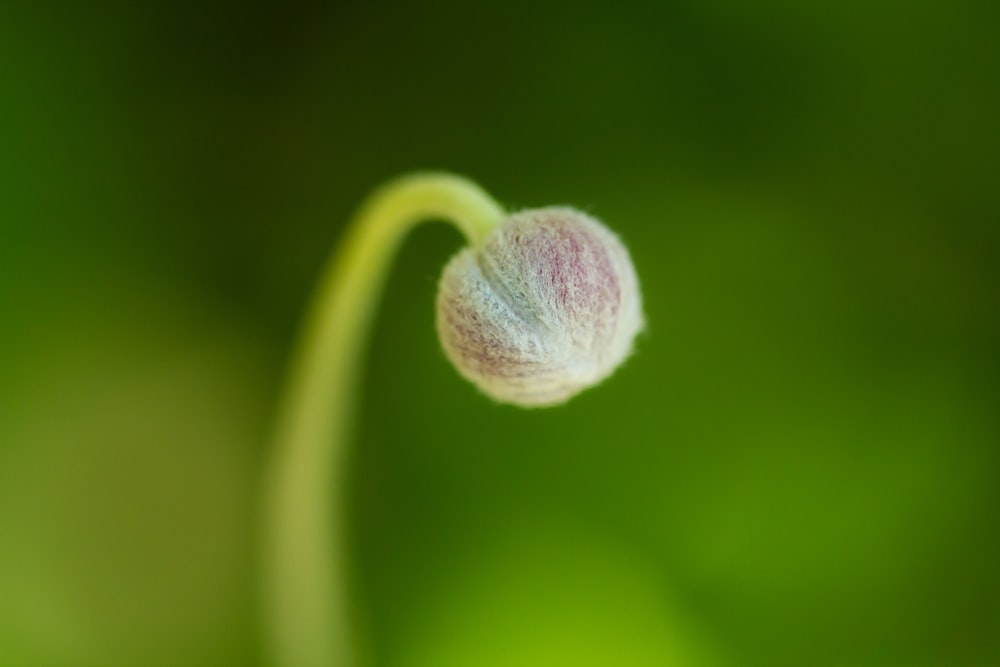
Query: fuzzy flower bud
x,y
546,306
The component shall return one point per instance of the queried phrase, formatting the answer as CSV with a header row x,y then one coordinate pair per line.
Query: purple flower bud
x,y
546,306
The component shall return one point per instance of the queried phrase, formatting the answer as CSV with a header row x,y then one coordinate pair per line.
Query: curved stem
x,y
306,593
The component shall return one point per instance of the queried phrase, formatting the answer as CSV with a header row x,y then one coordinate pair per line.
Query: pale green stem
x,y
306,592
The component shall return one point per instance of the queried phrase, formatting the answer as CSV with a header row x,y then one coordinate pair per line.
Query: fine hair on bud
x,y
545,306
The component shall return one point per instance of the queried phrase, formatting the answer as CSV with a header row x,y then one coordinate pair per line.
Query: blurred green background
x,y
800,465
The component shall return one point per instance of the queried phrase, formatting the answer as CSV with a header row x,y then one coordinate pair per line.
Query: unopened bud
x,y
546,306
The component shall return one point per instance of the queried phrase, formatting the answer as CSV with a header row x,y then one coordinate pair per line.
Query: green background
x,y
799,466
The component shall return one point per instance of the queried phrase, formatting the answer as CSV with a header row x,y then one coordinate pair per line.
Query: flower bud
x,y
547,305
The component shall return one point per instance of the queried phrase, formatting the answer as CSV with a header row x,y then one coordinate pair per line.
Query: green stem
x,y
306,593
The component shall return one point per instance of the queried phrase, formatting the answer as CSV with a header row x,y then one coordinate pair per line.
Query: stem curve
x,y
308,620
